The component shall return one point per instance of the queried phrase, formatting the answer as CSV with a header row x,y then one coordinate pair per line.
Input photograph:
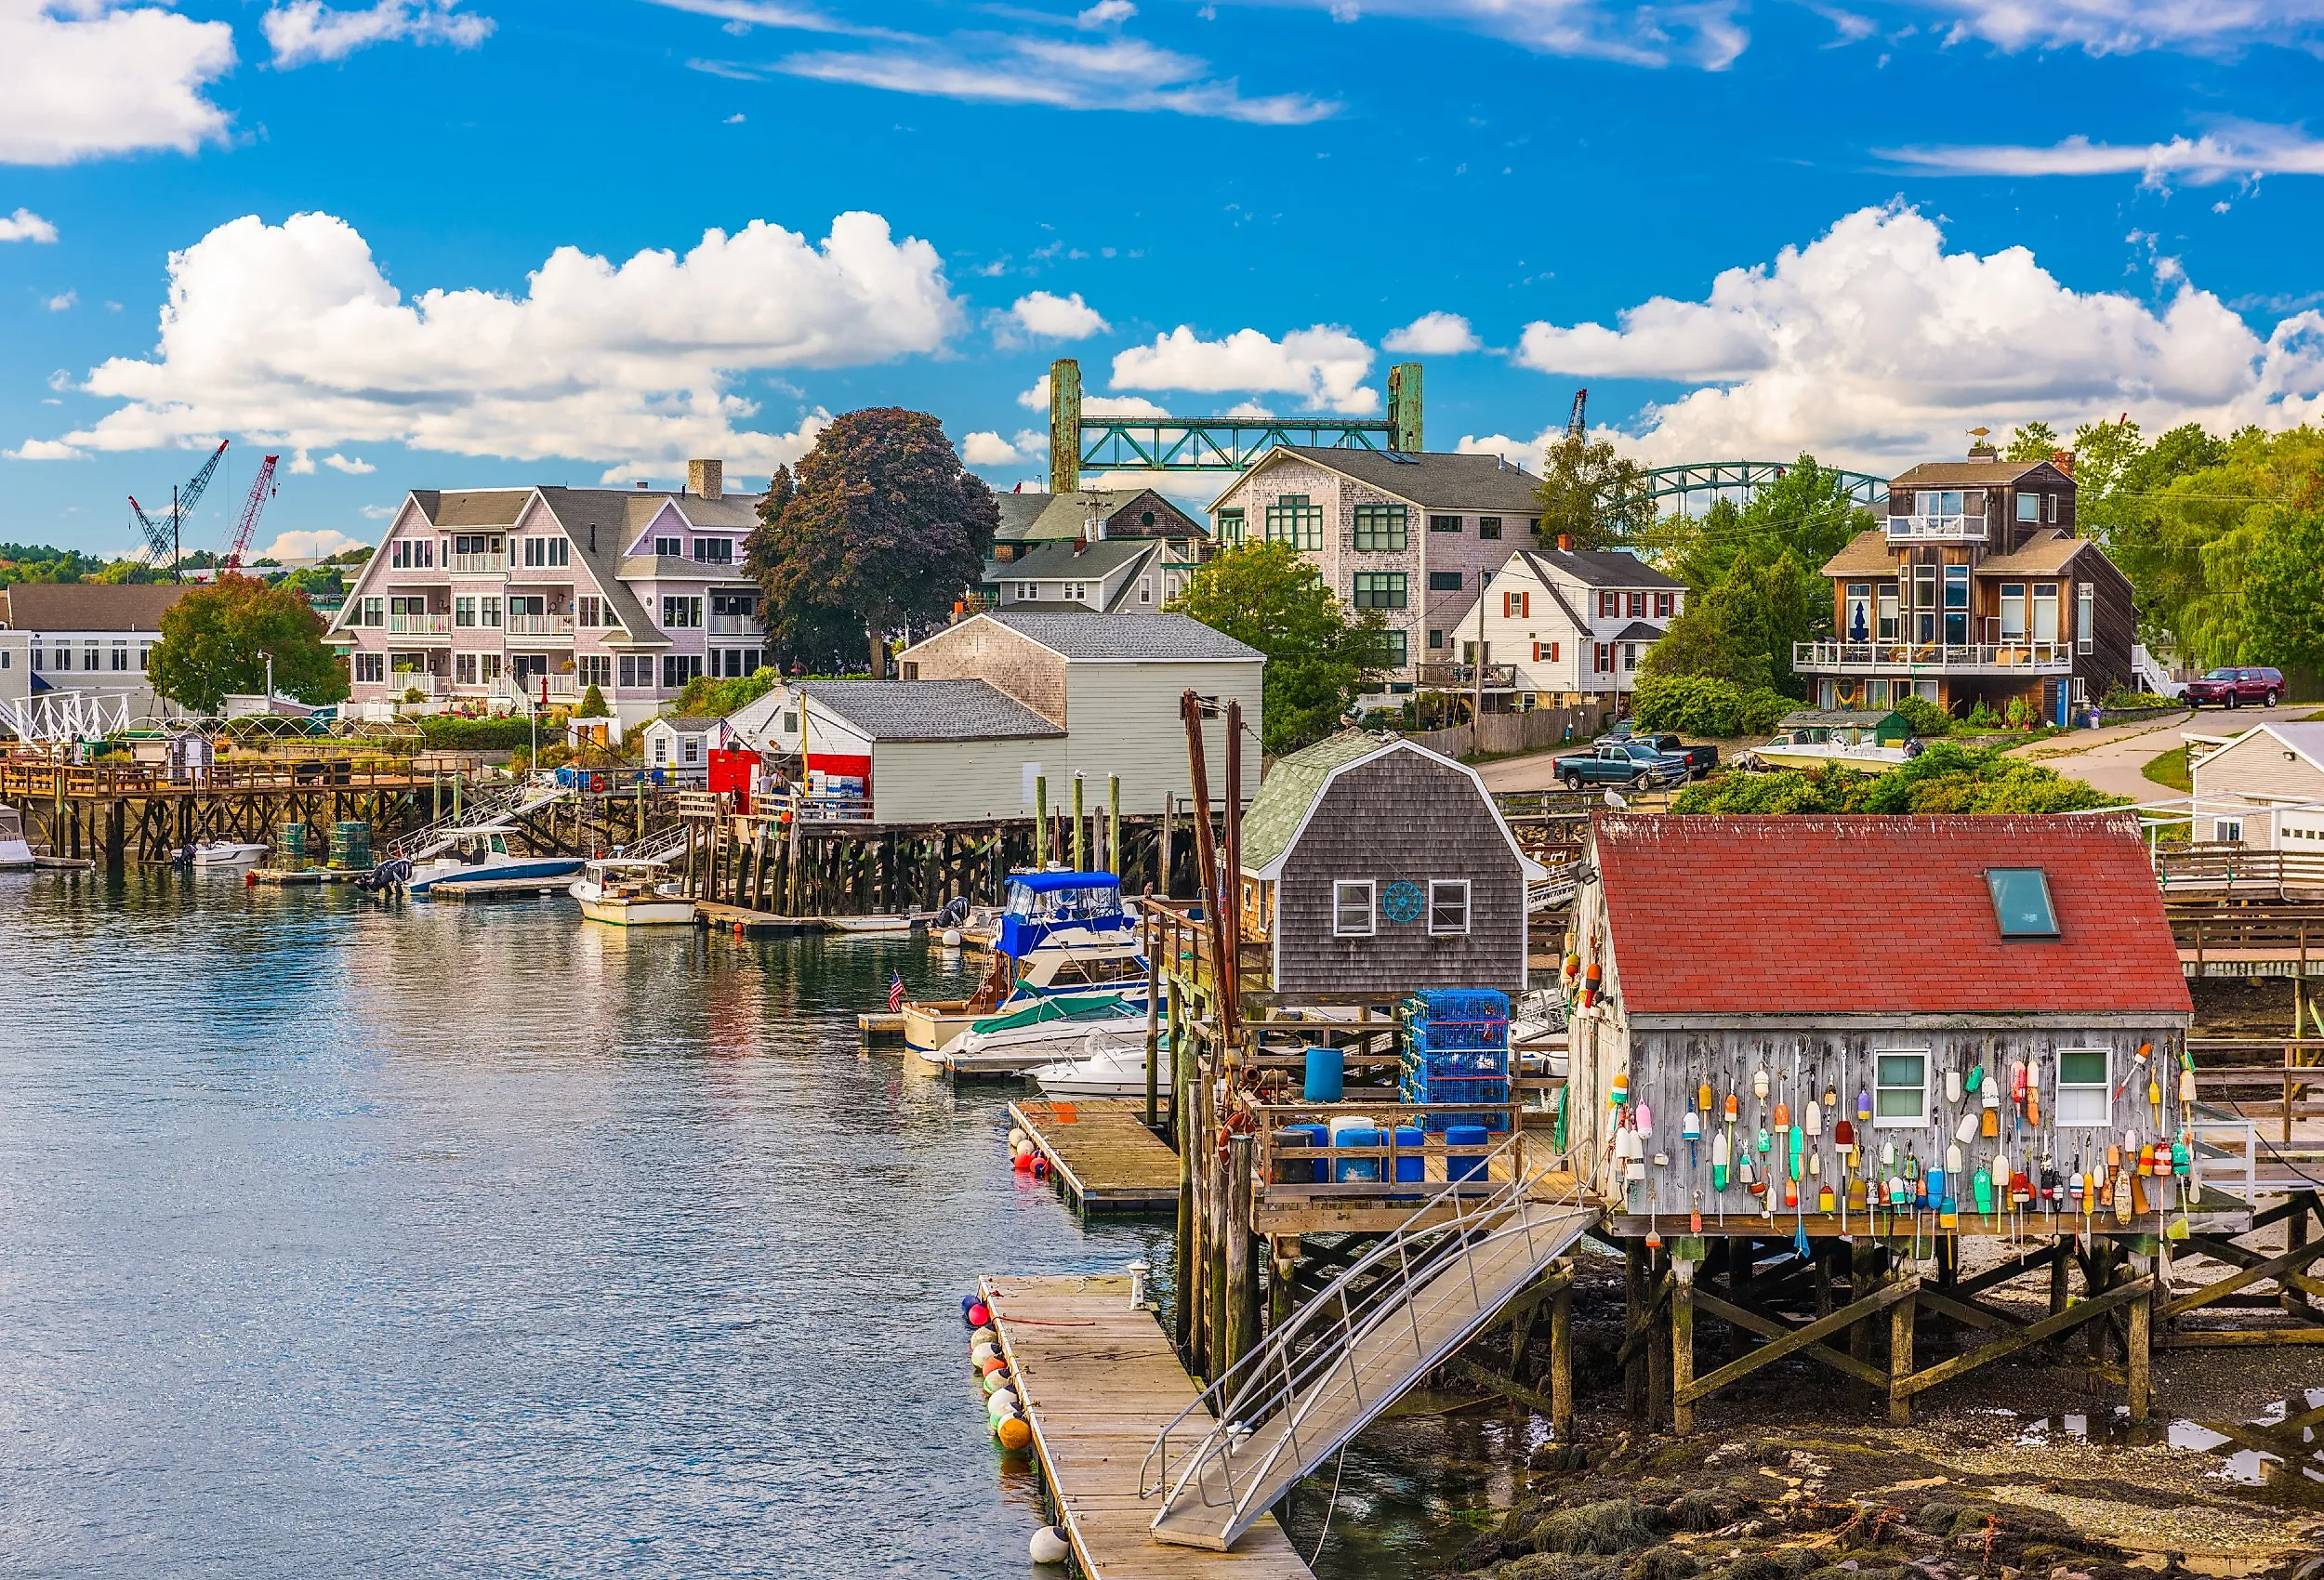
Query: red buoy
x,y
979,1314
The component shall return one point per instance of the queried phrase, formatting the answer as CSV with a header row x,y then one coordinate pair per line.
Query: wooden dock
x,y
1101,1150
746,923
299,877
1100,1381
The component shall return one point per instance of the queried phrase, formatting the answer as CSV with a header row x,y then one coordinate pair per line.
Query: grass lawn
x,y
2170,769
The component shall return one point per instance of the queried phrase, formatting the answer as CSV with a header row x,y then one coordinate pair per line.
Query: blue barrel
x,y
1412,1164
1297,1170
1326,1073
1354,1170
1464,1151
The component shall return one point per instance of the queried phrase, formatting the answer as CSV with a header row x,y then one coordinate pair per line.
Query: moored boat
x,y
1105,1067
631,894
212,853
14,852
1059,934
1037,1031
467,858
1864,739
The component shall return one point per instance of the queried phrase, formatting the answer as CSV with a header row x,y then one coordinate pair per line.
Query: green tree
x,y
883,529
2035,440
1946,777
706,698
1742,629
1807,512
1592,494
215,640
592,704
1265,594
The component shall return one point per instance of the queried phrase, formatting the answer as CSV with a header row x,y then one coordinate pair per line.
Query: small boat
x,y
631,894
213,854
1864,739
1039,1031
15,854
1105,1069
1061,933
467,858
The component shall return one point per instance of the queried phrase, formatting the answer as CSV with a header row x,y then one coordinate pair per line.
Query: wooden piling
x,y
1900,1317
1113,824
1561,1359
1081,854
1681,1346
2137,1365
1634,1309
1241,1255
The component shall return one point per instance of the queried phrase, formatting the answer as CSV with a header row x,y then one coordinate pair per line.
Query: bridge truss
x,y
1718,477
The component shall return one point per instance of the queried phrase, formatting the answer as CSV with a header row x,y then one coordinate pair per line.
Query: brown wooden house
x,y
1975,588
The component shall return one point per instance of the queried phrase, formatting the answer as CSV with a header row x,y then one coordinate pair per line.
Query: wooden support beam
x,y
1767,1327
2121,1295
2291,1261
1508,1388
1681,1347
2238,1338
1562,1362
1641,1325
1801,1337
2220,1248
2138,1363
2004,1273
1969,1313
1900,1353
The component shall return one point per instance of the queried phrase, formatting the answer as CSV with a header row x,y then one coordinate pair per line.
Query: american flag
x,y
895,993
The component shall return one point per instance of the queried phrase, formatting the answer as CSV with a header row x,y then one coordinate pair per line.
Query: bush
x,y
592,703
1926,720
445,731
1704,704
2124,700
1946,777
1981,717
1615,1526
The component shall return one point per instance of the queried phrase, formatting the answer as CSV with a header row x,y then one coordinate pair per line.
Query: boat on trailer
x,y
1060,934
625,893
1864,739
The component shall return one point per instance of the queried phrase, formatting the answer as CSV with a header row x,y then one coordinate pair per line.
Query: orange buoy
x,y
993,1363
1013,1432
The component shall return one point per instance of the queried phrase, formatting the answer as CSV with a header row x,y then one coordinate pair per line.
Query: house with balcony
x,y
1418,537
492,599
1974,588
1564,625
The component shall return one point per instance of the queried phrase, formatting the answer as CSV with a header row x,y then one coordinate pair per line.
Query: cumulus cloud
x,y
741,15
1694,33
86,78
2117,27
354,466
26,226
319,545
1324,366
306,31
1105,13
1434,335
1873,344
62,301
2240,152
1037,399
1525,452
1057,318
291,334
987,449
43,450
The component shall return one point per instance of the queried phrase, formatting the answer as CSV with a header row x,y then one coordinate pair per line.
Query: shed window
x,y
1352,910
2021,901
2083,1085
1900,1100
1448,905
1230,526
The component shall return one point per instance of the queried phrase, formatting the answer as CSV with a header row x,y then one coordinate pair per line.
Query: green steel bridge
x,y
1716,477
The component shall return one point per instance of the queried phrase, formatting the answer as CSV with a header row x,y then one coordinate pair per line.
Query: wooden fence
x,y
2196,870
1508,733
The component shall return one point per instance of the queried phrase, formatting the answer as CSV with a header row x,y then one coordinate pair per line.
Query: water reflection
x,y
2259,1453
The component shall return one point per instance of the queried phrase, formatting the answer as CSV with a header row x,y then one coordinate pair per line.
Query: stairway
x,y
478,813
1352,1351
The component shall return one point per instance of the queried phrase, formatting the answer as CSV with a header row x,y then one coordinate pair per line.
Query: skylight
x,y
2021,901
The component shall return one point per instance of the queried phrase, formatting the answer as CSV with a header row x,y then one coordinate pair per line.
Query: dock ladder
x,y
1354,1350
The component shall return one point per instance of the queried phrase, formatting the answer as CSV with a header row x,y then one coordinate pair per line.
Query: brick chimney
x,y
706,479
1565,542
2063,460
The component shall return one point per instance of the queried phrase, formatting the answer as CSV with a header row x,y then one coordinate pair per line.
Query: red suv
x,y
2232,688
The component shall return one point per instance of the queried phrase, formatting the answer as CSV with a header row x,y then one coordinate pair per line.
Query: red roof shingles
x,y
1881,916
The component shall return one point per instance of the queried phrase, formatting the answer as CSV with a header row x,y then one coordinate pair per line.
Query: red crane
x,y
261,489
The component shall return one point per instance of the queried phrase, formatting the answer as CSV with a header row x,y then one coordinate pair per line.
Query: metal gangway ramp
x,y
1396,1313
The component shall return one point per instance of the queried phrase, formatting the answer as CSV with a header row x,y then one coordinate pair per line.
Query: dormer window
x,y
714,551
2021,901
670,547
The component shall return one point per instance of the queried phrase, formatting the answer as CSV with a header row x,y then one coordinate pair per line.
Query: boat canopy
x,y
1054,882
1042,905
1884,728
1042,1009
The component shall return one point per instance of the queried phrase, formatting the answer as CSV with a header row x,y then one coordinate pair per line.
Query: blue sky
x,y
428,243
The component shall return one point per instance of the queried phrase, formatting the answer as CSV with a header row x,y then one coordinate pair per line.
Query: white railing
x,y
1924,658
735,625
2234,1142
1953,529
480,564
419,625
508,689
540,625
428,685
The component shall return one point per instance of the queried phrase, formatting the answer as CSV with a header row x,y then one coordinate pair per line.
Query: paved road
x,y
2111,759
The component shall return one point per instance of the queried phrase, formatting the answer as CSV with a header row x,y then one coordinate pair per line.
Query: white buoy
x,y
1048,1546
1025,1149
983,1334
951,937
981,1353
1002,1402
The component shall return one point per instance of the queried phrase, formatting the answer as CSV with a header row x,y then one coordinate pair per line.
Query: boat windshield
x,y
1063,905
500,844
11,824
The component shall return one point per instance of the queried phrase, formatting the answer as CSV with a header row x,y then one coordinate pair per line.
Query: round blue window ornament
x,y
1403,903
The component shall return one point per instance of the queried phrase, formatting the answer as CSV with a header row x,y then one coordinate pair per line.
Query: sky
x,y
444,243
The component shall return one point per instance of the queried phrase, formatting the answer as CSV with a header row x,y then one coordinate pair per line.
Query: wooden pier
x,y
1102,1153
1099,1380
744,922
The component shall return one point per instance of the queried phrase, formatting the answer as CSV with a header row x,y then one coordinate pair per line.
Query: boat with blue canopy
x,y
1061,935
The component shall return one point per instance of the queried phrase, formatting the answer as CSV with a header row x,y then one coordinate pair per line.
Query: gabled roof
x,y
2300,736
1288,796
928,710
686,724
1881,916
1018,512
1094,635
1069,515
1057,561
1638,631
1432,480
87,606
1867,554
1971,474
2043,554
1600,568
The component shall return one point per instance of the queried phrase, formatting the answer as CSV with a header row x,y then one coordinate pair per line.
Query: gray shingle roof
x,y
1018,512
686,724
1166,636
929,710
1955,474
1057,561
1638,631
88,606
1599,567
1291,787
1435,480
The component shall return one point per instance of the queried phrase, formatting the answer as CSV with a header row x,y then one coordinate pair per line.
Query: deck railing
x,y
2289,1069
2195,869
480,564
132,779
419,625
2021,657
1497,676
540,625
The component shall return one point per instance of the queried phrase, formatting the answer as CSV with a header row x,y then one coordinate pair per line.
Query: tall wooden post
x,y
1681,1346
1081,854
2137,1365
1162,857
1864,1260
2295,1299
1040,821
1634,1292
1113,824
1658,1340
1900,1360
1181,1136
1562,1356
1153,1011
1241,1255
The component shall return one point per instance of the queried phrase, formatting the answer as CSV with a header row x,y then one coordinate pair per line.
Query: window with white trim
x,y
594,670
371,669
1353,913
2085,616
2085,1090
1900,1090
1448,906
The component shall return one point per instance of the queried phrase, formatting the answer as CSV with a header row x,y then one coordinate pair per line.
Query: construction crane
x,y
261,489
1573,424
162,539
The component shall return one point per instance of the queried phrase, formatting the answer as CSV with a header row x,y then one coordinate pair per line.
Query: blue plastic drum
x,y
1465,1146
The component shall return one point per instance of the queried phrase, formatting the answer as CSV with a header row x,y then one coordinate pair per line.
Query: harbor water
x,y
345,1238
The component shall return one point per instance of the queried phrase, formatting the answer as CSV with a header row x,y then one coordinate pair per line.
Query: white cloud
x,y
736,119
86,78
63,301
376,512
1120,74
319,545
743,15
1525,452
2238,153
43,450
1057,318
1249,411
1037,399
1808,353
1325,366
291,334
26,226
1105,13
1434,335
988,449
1698,32
353,466
303,31
2117,27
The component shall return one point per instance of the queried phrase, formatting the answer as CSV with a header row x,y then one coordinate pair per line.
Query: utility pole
x,y
177,539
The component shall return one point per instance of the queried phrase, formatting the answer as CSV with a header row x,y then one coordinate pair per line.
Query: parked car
x,y
1700,760
2233,687
1633,764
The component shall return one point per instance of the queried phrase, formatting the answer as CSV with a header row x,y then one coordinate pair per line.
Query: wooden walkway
x,y
1101,1150
1099,1381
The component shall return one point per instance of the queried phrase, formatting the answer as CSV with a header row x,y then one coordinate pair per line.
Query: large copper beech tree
x,y
880,529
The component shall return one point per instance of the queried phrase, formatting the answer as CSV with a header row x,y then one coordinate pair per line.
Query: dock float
x,y
1101,1150
1099,1381
880,1023
497,888
299,877
746,923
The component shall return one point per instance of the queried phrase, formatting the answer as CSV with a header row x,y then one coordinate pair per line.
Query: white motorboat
x,y
1062,934
14,852
1867,740
1106,1068
631,894
467,858
227,853
1039,1031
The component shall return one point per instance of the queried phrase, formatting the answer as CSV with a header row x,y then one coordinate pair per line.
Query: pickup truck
x,y
1631,763
1700,760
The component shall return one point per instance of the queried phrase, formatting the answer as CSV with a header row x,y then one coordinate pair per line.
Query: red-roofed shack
x,y
1895,974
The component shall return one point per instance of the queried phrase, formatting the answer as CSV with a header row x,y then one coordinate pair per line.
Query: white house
x,y
679,747
2264,788
1575,623
902,751
87,643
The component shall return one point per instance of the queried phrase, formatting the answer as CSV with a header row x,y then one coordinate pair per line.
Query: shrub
x,y
1981,717
445,731
1704,704
1926,720
1946,777
2020,713
592,703
2124,700
1616,1525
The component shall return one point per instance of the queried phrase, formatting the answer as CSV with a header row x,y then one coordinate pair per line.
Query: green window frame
x,y
1296,520
1444,523
1379,589
1381,528
1488,526
1230,526
1396,652
1444,581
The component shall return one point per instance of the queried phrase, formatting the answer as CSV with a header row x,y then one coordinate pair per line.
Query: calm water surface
x,y
342,1239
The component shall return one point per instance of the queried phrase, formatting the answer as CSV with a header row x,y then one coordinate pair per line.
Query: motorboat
x,y
1059,934
467,858
1039,1031
1863,739
631,894
214,853
15,853
1106,1067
